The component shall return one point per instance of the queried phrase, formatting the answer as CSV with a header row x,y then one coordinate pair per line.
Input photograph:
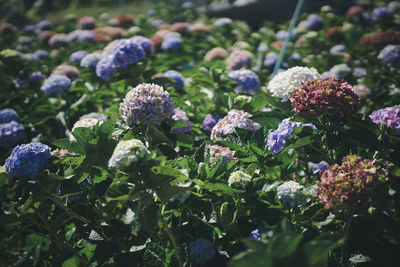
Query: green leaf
x,y
154,255
167,191
169,171
227,214
218,187
71,262
4,178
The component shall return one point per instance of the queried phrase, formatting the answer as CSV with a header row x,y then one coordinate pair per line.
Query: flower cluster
x,y
313,22
330,96
11,133
58,40
215,53
316,168
270,59
87,23
238,59
66,70
284,83
389,116
234,119
43,25
8,115
200,251
239,177
257,233
290,194
335,33
340,70
222,22
172,43
83,123
209,121
78,56
391,55
247,81
282,34
351,184
278,137
90,60
28,160
36,76
146,104
42,54
127,151
179,114
143,42
175,75
217,151
94,115
56,84
381,13
381,38
81,36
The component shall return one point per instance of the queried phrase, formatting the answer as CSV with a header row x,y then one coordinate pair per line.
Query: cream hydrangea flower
x,y
127,151
239,177
284,83
84,123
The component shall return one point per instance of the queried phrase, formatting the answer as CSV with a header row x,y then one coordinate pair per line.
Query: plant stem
x,y
173,241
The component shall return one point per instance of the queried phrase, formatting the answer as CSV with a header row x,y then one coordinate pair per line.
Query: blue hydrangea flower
x,y
247,81
290,194
317,167
78,56
294,57
209,122
127,52
313,22
36,77
328,74
42,54
8,115
282,34
90,60
29,29
44,25
200,251
181,198
81,36
75,196
222,22
278,137
257,233
171,43
381,12
94,115
105,67
359,72
28,160
151,13
337,49
175,75
11,133
181,115
144,42
391,55
270,59
56,84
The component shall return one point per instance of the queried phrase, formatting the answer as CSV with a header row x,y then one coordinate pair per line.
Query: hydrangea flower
x,y
143,42
351,184
209,121
171,43
316,168
90,60
181,115
217,151
278,137
238,59
127,151
28,160
83,123
105,67
391,55
11,133
200,251
239,177
30,57
294,57
330,96
270,59
222,22
78,56
146,104
25,40
247,81
284,83
56,84
67,70
389,116
175,75
8,115
216,53
312,23
361,90
75,196
94,115
282,34
234,119
36,77
257,233
340,70
87,23
381,38
43,25
81,36
394,6
58,40
359,72
336,49
30,29
381,12
290,194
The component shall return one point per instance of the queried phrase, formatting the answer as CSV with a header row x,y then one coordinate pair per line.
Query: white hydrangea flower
x,y
85,123
127,151
240,178
284,83
341,70
290,193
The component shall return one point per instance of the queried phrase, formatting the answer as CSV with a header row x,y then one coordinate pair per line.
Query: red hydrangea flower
x,y
350,185
331,96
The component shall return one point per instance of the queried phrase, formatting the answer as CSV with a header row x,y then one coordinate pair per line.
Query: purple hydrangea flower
x,y
381,12
278,137
56,84
200,251
42,54
43,25
171,43
78,56
247,81
389,116
270,59
94,115
328,74
257,233
146,104
366,18
391,55
317,167
8,115
30,29
28,160
75,196
105,67
282,34
359,72
217,151
175,75
294,57
11,133
151,13
234,119
181,115
30,57
90,60
238,59
58,40
81,36
37,76
144,42
209,122
313,22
